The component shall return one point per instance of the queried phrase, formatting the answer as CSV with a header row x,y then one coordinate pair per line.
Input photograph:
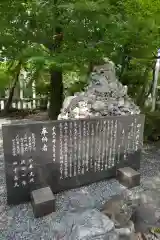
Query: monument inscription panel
x,y
68,154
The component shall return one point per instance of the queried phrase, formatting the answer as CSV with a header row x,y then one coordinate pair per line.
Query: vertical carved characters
x,y
115,125
61,157
24,174
75,138
96,146
44,139
23,167
104,129
54,143
92,147
79,147
65,149
138,132
70,157
87,146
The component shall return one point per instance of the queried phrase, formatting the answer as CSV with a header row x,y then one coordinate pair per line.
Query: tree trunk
x,y
142,93
11,93
151,84
125,61
56,93
56,79
90,68
155,83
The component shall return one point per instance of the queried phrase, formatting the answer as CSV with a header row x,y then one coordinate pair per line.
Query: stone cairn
x,y
104,96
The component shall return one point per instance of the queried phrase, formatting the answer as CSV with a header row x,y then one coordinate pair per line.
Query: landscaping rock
x,y
127,230
145,217
118,209
91,224
104,96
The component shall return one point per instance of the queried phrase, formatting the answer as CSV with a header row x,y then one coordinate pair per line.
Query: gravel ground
x,y
18,222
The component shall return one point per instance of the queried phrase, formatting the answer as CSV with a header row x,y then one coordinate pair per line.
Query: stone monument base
x,y
128,177
43,202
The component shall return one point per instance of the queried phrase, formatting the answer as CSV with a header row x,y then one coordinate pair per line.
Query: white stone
x,y
67,101
98,106
126,231
104,96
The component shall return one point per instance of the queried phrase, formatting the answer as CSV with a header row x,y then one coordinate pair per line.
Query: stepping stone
x,y
42,201
128,177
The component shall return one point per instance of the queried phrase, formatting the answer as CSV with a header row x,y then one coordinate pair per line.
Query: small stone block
x,y
128,177
43,202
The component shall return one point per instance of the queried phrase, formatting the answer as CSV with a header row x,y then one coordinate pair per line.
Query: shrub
x,y
152,126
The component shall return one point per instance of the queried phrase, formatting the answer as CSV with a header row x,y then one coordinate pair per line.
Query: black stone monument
x,y
69,153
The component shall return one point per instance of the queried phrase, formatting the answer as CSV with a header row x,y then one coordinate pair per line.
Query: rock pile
x,y
104,96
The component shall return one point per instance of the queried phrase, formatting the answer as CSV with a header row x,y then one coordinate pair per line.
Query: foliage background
x,y
47,37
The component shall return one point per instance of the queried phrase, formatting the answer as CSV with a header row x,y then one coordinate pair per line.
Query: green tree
x,y
35,30
137,52
5,77
58,35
